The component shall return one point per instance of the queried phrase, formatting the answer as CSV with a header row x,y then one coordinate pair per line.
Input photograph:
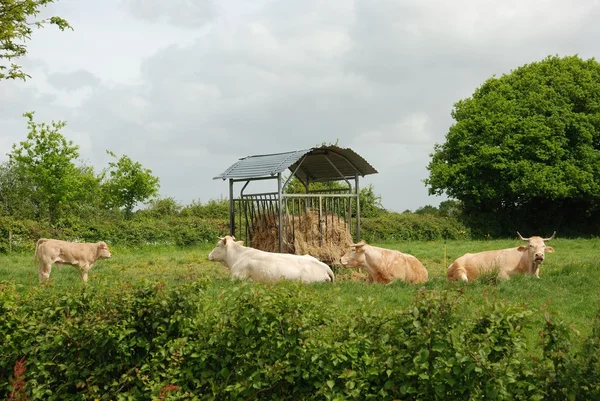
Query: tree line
x,y
44,179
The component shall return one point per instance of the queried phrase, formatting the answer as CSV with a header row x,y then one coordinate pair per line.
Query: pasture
x,y
569,287
158,320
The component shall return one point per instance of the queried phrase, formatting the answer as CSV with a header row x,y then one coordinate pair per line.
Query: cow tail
x,y
37,245
331,275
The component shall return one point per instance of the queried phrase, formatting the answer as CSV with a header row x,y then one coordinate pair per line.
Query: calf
x,y
385,265
81,255
507,262
246,262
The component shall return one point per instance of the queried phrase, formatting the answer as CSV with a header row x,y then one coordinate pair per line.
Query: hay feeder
x,y
321,224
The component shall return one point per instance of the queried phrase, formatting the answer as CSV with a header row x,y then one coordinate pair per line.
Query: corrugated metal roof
x,y
325,163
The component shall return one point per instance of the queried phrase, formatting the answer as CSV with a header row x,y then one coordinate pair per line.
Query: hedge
x,y
279,342
21,235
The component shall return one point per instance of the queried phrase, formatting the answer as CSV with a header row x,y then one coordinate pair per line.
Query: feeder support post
x,y
357,207
231,209
279,212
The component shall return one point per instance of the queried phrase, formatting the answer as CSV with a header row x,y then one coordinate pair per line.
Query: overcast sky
x,y
187,87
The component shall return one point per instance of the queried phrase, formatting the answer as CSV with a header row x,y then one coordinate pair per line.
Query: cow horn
x,y
521,237
551,238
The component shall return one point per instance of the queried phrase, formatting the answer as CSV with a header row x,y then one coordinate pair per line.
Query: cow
x,y
525,259
246,262
81,255
385,265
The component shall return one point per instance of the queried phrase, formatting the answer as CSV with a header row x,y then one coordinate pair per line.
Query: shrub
x,y
278,341
412,227
21,235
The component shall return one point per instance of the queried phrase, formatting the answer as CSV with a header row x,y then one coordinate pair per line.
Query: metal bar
x,y
357,208
320,228
252,179
351,195
260,194
293,223
338,171
279,207
231,210
293,173
243,189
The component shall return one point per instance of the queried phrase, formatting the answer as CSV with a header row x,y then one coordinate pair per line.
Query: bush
x,y
21,235
278,341
412,227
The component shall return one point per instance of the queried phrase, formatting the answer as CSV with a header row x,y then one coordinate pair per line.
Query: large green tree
x,y
18,19
524,151
43,169
128,183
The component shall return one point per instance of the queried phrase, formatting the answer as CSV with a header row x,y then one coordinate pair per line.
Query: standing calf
x,y
81,255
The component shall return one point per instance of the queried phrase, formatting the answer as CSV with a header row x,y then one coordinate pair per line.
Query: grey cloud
x,y
73,80
379,76
190,13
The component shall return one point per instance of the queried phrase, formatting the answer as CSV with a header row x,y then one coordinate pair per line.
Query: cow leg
x,y
503,275
83,272
537,272
44,271
462,275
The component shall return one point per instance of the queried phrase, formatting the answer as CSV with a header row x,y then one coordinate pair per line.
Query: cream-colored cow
x,y
525,259
247,262
385,265
81,255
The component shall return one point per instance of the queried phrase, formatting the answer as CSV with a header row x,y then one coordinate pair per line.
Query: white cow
x,y
507,262
246,262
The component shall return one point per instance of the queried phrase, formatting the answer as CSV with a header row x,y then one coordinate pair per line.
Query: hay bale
x,y
326,239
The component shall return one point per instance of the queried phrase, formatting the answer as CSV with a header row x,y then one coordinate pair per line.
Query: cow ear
x,y
523,248
549,249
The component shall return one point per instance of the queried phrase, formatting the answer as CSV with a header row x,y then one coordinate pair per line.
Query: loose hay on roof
x,y
327,239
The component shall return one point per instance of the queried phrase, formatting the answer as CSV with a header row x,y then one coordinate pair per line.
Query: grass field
x,y
569,287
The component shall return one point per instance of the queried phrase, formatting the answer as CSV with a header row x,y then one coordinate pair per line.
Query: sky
x,y
188,87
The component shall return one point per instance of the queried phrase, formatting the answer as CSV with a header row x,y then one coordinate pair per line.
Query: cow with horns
x,y
525,259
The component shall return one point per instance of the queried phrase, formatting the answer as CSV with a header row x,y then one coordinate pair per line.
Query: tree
x,y
45,163
128,184
15,193
525,148
450,208
428,209
164,207
17,21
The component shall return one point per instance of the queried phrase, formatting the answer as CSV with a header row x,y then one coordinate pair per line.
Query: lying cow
x,y
385,265
81,255
508,262
246,262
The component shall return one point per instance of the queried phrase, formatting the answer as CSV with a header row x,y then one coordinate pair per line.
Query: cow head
x,y
220,252
103,252
355,257
536,248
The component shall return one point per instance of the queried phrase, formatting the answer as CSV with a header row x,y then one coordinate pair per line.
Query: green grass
x,y
569,286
